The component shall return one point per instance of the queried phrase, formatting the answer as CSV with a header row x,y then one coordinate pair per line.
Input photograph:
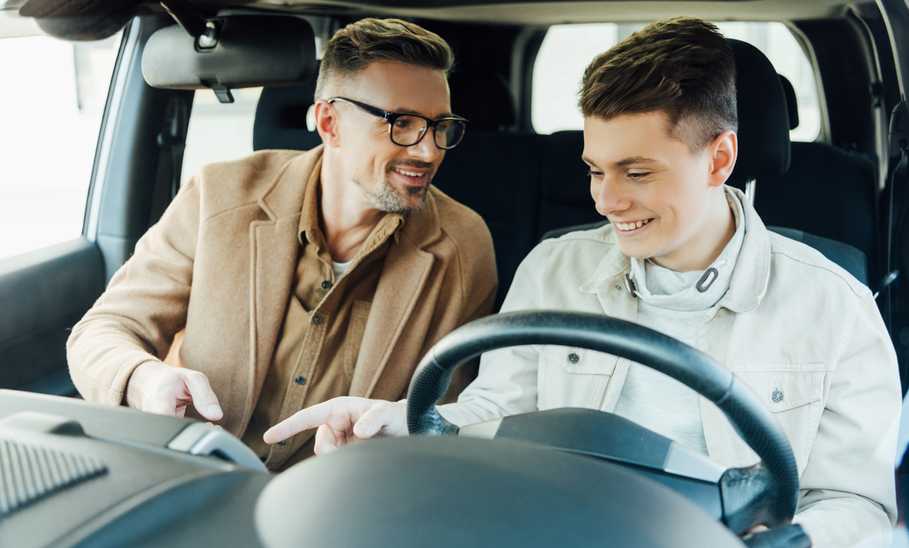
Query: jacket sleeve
x,y
507,379
848,491
145,304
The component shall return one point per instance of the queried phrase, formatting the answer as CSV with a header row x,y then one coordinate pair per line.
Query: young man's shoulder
x,y
803,264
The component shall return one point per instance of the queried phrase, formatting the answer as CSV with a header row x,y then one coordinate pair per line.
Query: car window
x,y
51,104
568,49
219,132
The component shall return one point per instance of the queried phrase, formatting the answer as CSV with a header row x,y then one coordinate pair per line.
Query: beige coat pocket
x,y
573,377
795,398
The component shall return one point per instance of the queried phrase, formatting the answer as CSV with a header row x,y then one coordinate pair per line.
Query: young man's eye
x,y
594,174
638,175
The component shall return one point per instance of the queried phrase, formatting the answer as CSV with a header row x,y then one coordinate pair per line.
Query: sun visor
x,y
80,19
234,52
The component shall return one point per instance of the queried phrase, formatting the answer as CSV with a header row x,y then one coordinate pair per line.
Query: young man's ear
x,y
327,124
723,152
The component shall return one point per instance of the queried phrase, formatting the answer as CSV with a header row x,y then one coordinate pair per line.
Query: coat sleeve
x,y
507,379
848,491
145,304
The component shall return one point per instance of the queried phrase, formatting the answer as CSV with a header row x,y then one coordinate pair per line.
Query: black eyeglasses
x,y
408,129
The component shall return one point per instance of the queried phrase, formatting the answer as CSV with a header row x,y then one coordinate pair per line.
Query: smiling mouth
x,y
413,177
631,227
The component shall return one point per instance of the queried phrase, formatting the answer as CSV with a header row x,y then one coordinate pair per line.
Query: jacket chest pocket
x,y
795,398
573,377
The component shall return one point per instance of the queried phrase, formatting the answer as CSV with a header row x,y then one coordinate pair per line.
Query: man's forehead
x,y
628,139
400,87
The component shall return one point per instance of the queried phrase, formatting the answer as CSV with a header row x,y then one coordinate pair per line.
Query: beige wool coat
x,y
220,263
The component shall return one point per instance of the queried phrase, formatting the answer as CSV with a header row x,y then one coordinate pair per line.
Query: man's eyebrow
x,y
409,111
624,162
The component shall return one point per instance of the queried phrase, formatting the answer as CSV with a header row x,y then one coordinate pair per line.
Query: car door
x,y
83,146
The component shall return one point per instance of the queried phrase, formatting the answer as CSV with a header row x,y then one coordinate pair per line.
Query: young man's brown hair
x,y
355,46
682,66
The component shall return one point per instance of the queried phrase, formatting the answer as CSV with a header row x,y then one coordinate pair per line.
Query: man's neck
x,y
347,218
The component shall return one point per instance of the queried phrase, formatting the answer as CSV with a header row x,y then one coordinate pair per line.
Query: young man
x,y
659,138
299,277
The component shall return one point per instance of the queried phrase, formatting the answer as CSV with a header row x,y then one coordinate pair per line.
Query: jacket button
x,y
573,358
777,395
317,319
300,379
326,285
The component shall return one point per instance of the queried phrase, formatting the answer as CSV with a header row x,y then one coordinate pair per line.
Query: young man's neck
x,y
717,230
347,217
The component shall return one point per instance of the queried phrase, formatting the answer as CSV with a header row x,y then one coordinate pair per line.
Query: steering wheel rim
x,y
602,333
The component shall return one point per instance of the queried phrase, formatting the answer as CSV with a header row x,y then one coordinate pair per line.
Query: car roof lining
x,y
556,12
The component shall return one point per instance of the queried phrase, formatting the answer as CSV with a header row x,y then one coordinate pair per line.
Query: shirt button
x,y
326,285
573,358
300,379
317,319
777,395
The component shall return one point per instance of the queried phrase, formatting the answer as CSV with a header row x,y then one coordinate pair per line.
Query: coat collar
x,y
749,278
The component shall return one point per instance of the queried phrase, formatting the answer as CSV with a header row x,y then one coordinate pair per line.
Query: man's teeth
x,y
632,226
408,173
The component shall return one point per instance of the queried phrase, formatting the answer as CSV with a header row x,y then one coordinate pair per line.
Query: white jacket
x,y
792,322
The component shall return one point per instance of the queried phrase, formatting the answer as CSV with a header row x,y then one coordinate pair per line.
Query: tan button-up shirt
x,y
322,330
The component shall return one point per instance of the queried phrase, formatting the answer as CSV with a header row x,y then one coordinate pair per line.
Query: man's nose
x,y
426,149
609,198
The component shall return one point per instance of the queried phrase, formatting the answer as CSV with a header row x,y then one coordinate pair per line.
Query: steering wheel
x,y
765,493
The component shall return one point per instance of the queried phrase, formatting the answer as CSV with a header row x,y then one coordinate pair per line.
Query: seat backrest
x,y
280,121
827,191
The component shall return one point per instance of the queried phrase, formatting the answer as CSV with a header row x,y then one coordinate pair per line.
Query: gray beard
x,y
386,199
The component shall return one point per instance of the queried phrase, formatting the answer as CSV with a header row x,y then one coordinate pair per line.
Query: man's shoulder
x,y
458,222
228,184
803,264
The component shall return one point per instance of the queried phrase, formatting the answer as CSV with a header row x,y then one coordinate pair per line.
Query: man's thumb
x,y
204,399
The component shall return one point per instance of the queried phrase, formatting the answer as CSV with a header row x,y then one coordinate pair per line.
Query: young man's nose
x,y
610,199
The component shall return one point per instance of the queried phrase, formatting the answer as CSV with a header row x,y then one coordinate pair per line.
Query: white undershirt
x,y
670,303
339,268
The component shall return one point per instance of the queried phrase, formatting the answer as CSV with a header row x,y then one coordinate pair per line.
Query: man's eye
x,y
403,123
637,175
594,174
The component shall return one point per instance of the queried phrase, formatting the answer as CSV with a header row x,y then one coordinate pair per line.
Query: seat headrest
x,y
792,104
484,99
763,118
280,121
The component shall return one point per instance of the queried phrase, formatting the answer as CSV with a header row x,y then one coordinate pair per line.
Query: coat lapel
x,y
274,247
406,270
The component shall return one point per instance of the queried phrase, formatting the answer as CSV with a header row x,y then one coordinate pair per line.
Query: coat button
x,y
326,285
573,358
317,319
300,379
777,395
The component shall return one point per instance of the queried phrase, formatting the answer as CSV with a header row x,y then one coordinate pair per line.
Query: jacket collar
x,y
749,278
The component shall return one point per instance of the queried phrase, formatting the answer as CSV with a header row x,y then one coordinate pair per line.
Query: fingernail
x,y
214,410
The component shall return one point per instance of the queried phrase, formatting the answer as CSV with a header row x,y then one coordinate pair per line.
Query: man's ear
x,y
723,153
327,124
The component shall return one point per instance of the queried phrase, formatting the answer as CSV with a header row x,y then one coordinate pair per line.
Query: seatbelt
x,y
171,143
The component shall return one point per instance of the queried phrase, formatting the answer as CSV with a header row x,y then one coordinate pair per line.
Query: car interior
x,y
79,474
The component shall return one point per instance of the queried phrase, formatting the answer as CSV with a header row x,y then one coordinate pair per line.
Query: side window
x,y
51,104
568,49
219,132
